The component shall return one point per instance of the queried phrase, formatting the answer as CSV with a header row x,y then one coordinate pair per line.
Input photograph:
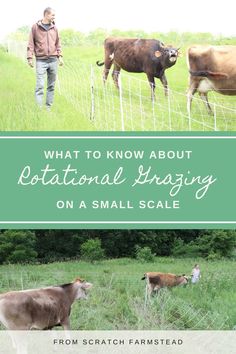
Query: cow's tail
x,y
100,63
209,74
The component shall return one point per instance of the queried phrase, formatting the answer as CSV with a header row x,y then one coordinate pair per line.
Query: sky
x,y
148,15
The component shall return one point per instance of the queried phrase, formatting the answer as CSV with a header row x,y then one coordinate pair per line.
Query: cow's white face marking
x,y
172,59
205,86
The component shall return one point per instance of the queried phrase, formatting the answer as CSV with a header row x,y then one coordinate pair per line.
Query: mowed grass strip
x,y
18,110
116,301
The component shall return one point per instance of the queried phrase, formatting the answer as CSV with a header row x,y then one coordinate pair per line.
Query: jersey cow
x,y
211,68
41,308
148,56
157,280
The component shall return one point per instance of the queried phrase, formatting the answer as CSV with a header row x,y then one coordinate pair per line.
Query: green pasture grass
x,y
116,301
18,110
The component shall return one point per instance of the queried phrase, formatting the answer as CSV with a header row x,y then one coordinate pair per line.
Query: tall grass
x,y
18,110
116,300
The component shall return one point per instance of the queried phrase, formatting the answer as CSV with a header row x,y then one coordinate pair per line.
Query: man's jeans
x,y
48,66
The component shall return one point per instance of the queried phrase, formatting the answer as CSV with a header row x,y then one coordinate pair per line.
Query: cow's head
x,y
167,54
81,288
182,279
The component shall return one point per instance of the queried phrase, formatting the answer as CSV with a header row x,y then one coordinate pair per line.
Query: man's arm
x,y
30,48
58,45
59,52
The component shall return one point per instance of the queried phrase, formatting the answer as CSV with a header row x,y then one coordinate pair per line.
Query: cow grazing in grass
x,y
211,68
148,56
41,308
157,280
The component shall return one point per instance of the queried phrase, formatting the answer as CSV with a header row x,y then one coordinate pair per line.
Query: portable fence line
x,y
159,86
130,106
23,45
92,95
171,110
214,111
121,104
136,111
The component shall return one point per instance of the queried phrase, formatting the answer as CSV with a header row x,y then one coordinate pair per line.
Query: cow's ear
x,y
158,53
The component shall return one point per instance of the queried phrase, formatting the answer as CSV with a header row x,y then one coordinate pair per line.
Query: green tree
x,y
69,37
211,244
17,246
91,250
144,254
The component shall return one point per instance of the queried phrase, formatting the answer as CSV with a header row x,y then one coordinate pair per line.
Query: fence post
x,y
92,112
215,126
189,117
153,110
121,105
169,109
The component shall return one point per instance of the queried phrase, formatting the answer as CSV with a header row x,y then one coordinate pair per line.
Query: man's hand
x,y
31,63
60,61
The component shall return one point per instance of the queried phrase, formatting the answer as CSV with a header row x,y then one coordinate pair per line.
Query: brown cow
x,y
212,68
148,56
157,280
41,308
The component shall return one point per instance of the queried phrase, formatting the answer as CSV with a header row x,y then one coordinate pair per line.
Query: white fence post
x,y
189,119
92,112
121,105
169,109
153,111
215,126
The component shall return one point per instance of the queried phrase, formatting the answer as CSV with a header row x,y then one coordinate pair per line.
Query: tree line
x,y
44,246
70,37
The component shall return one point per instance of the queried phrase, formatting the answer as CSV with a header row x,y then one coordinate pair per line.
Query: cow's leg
x,y
115,74
193,85
108,63
204,97
151,80
66,324
156,290
165,84
146,294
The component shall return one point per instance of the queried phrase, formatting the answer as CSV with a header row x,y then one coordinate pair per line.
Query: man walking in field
x,y
44,43
196,274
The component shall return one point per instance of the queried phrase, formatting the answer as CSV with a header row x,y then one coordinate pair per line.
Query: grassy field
x,y
18,110
76,108
116,301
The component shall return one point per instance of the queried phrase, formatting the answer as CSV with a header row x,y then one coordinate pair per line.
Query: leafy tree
x,y
211,244
70,37
17,246
55,245
144,254
92,251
